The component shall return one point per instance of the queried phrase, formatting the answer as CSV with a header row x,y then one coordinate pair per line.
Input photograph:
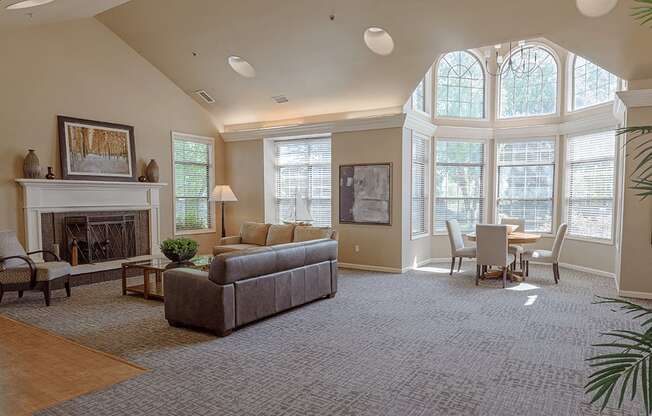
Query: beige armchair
x,y
18,272
548,256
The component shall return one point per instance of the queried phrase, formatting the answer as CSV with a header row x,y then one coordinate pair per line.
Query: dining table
x,y
516,238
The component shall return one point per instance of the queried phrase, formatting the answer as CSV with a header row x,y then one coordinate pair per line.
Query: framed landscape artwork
x,y
95,150
366,194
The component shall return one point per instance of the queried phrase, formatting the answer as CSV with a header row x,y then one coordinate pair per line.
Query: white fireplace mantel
x,y
45,196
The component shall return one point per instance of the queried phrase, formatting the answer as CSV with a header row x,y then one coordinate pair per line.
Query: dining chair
x,y
457,245
548,256
515,249
491,243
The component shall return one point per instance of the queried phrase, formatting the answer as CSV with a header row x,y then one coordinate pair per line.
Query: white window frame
x,y
616,190
210,141
486,173
487,91
570,88
499,80
427,185
555,186
271,212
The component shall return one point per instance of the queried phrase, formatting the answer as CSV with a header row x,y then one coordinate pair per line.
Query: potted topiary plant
x,y
179,250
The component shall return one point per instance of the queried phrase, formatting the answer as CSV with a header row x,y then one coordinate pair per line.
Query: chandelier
x,y
522,60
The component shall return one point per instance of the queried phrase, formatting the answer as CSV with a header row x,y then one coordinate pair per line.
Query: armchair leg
x,y
2,292
504,277
452,266
20,293
67,286
459,266
527,268
46,293
555,272
477,274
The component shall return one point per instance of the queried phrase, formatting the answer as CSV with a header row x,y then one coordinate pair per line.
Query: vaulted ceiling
x,y
58,11
323,66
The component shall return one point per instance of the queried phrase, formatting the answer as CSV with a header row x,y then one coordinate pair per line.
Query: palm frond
x,y
643,187
627,306
642,13
643,155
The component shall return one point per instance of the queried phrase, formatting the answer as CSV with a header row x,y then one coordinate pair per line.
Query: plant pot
x,y
31,165
179,257
152,171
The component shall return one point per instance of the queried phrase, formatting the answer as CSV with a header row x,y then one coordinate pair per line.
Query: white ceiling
x,y
58,11
323,66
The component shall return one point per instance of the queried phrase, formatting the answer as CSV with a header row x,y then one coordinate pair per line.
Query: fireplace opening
x,y
93,239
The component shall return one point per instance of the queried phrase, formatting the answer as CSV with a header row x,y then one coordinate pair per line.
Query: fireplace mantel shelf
x,y
53,183
42,196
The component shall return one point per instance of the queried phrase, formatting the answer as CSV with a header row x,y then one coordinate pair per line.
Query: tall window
x,y
420,158
460,86
590,177
419,97
459,184
303,168
530,88
193,179
526,177
591,84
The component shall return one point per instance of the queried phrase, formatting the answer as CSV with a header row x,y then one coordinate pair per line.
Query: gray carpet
x,y
422,343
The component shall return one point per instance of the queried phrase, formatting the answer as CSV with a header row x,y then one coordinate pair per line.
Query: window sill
x,y
196,232
591,240
419,236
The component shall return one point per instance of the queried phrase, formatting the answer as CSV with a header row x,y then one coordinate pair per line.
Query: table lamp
x,y
223,193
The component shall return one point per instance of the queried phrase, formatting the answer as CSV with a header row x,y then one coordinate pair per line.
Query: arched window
x,y
528,85
591,84
460,86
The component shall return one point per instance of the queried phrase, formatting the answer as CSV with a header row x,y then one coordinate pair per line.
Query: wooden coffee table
x,y
157,266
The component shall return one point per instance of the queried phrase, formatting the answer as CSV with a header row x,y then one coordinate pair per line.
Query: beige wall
x,y
379,245
81,69
244,169
636,247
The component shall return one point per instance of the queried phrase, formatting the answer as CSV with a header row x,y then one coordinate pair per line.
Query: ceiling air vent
x,y
280,99
204,95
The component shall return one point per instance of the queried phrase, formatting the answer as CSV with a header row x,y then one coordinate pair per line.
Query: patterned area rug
x,y
421,343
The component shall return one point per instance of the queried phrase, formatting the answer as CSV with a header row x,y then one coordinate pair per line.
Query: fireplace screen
x,y
92,239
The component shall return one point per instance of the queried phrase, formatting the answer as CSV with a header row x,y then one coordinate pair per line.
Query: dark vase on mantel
x,y
31,165
50,174
152,171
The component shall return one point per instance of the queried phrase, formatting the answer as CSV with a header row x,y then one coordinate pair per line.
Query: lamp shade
x,y
223,193
595,8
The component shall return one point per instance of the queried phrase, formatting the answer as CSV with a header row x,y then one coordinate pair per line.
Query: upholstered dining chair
x,y
515,249
491,243
457,245
548,256
18,272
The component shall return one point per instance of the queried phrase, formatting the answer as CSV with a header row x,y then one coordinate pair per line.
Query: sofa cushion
x,y
307,233
279,234
9,246
231,267
228,248
254,233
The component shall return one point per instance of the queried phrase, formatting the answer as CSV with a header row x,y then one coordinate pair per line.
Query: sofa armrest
x,y
193,300
225,241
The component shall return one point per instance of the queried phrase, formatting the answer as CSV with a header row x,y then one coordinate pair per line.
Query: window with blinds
x,y
526,177
590,178
420,159
192,184
303,167
459,184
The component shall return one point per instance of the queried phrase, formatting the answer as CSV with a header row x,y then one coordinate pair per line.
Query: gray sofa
x,y
245,286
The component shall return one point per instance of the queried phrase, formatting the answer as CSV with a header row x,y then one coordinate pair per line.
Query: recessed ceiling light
x,y
379,41
595,8
27,4
242,67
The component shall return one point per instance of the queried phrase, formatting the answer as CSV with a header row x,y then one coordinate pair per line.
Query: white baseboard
x,y
588,270
638,295
369,268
